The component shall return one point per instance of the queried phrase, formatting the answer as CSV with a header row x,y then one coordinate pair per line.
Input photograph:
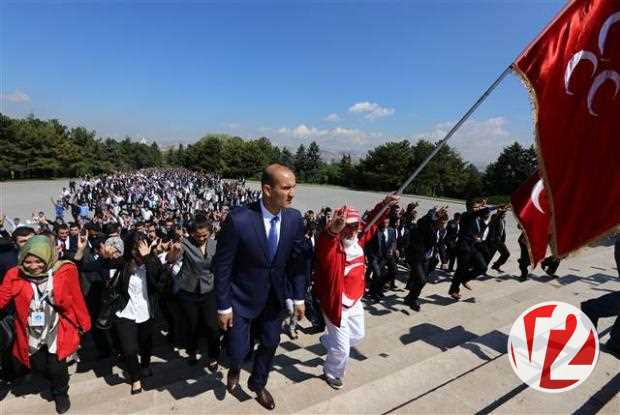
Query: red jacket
x,y
330,263
68,299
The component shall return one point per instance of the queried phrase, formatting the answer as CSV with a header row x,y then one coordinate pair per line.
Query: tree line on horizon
x,y
42,149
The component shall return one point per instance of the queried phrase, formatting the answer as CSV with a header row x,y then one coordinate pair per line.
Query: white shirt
x,y
137,307
385,234
267,216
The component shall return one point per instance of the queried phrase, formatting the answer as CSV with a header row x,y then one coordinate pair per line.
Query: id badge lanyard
x,y
38,299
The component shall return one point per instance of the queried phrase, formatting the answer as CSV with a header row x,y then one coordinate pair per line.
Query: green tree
x,y
385,167
300,163
513,166
286,158
313,163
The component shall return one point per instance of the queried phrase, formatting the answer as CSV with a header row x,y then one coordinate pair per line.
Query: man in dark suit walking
x,y
381,252
257,265
470,251
452,232
496,240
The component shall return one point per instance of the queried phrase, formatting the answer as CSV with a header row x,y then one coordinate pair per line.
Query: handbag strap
x,y
115,278
63,315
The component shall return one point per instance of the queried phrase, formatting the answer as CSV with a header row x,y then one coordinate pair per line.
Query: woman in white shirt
x,y
138,285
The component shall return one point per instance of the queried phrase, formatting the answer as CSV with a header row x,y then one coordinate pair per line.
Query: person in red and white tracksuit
x,y
339,285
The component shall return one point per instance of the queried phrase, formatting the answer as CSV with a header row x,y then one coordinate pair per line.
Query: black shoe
x,y
498,269
264,398
233,379
414,305
62,403
523,278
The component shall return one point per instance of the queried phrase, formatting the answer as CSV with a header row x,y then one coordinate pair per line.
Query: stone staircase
x,y
448,358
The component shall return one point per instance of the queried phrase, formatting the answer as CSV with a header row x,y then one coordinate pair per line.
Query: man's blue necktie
x,y
273,238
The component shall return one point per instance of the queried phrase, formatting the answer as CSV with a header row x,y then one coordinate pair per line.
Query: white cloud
x,y
233,126
478,141
333,117
16,96
372,110
333,139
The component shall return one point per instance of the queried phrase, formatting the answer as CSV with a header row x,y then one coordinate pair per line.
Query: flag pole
x,y
443,142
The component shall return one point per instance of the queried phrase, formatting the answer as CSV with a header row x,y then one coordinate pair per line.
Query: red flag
x,y
532,211
573,72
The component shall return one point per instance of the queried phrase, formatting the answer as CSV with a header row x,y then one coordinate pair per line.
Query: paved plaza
x,y
448,358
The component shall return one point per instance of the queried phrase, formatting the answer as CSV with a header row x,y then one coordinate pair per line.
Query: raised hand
x,y
391,199
174,252
337,223
82,242
144,248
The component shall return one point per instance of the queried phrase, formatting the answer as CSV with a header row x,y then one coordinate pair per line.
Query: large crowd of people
x,y
131,255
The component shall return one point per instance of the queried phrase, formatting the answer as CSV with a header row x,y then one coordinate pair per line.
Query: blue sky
x,y
349,74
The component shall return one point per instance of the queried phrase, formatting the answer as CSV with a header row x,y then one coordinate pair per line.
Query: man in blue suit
x,y
258,263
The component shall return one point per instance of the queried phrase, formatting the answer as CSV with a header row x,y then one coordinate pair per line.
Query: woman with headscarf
x,y
50,313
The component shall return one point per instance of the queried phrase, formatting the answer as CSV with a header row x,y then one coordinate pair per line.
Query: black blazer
x,y
497,229
154,274
154,270
452,231
373,247
470,226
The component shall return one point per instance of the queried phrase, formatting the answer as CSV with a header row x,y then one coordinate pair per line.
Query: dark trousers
x,y
442,250
390,275
504,254
54,370
375,268
313,310
524,259
268,325
471,264
173,315
551,263
451,251
93,296
417,280
135,339
377,265
607,305
7,365
205,312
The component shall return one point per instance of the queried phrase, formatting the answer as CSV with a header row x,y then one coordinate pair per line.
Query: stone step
x,y
462,385
303,365
494,387
180,382
289,352
367,369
